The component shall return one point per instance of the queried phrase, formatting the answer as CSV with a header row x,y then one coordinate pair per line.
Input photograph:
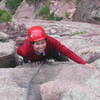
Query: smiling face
x,y
39,46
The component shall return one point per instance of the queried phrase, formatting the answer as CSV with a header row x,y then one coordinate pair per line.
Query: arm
x,y
23,50
67,52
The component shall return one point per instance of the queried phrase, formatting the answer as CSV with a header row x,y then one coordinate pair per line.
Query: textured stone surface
x,y
9,90
7,54
3,36
57,81
24,11
88,11
73,82
60,80
16,80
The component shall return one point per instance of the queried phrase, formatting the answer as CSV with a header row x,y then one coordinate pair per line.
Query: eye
x,y
43,42
32,43
37,43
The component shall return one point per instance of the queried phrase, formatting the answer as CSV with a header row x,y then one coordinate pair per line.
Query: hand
x,y
90,66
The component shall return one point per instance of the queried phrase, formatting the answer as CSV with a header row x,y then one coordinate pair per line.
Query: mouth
x,y
41,49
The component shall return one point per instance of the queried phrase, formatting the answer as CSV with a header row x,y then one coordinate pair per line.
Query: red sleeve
x,y
23,50
67,52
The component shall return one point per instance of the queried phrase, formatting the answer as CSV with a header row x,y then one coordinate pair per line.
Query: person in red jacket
x,y
40,47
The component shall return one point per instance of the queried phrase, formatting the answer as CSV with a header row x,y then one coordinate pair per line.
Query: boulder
x,y
63,8
73,82
7,54
3,36
24,11
2,4
88,11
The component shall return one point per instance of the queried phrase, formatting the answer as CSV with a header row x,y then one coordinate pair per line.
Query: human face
x,y
39,46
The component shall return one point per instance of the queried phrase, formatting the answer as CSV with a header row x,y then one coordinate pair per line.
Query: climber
x,y
41,47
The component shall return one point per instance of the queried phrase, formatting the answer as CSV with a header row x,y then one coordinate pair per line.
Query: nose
x,y
41,46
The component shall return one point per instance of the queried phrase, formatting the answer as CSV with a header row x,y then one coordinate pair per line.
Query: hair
x,y
33,42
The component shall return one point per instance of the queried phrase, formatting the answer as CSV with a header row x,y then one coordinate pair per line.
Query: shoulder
x,y
24,49
53,42
26,43
51,39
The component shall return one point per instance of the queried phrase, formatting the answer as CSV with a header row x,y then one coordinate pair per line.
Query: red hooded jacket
x,y
26,50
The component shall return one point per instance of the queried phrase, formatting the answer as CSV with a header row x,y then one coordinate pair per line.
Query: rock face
x,y
2,4
88,11
73,83
62,8
9,90
84,36
24,11
54,80
7,51
3,36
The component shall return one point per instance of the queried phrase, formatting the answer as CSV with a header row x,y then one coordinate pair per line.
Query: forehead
x,y
40,41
